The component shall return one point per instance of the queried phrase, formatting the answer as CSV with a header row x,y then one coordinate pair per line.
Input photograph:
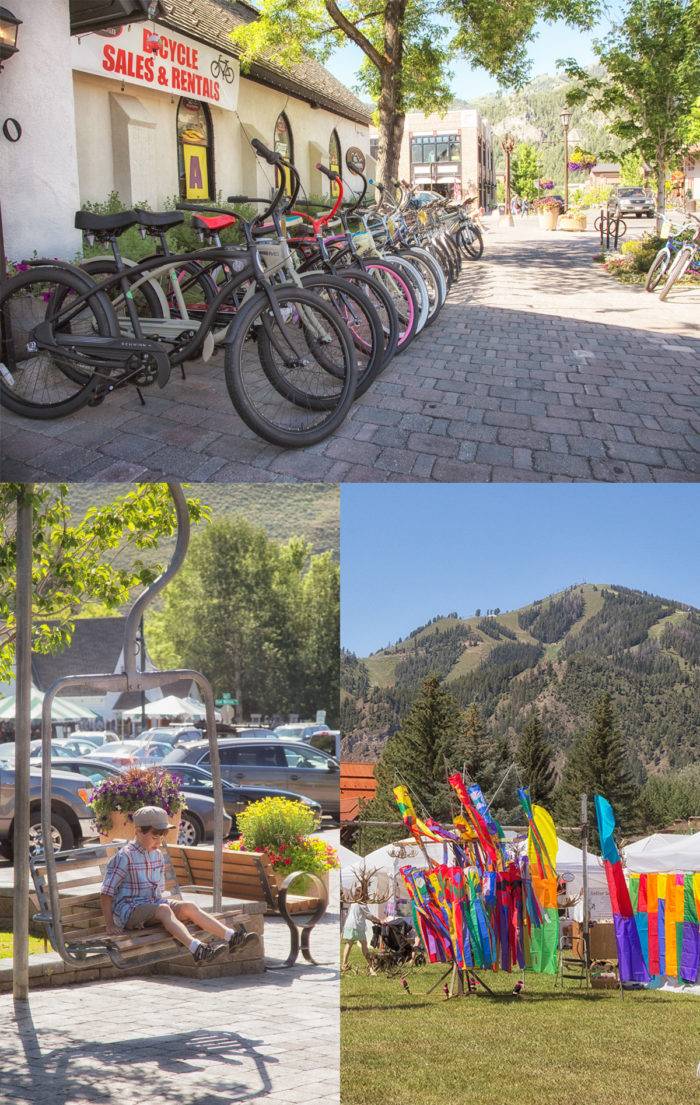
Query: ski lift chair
x,y
68,883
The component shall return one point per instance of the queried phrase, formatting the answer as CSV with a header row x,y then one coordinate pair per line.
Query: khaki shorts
x,y
142,915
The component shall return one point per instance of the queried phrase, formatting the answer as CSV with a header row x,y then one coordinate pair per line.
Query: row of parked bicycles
x,y
308,309
679,257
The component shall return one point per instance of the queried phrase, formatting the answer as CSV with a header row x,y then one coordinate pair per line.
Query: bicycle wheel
x,y
383,305
145,298
677,269
403,298
273,374
434,281
49,383
659,268
361,319
414,278
472,242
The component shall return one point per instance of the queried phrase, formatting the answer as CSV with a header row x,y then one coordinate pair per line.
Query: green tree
x,y
598,764
672,796
472,753
259,618
80,566
525,171
632,170
408,45
535,761
415,757
651,64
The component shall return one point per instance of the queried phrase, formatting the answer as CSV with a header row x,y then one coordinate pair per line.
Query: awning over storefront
x,y
98,15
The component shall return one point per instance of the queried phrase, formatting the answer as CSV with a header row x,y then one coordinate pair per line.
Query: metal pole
x,y
142,665
23,658
584,850
566,168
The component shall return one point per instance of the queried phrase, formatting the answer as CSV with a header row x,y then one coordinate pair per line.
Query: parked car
x,y
136,753
420,199
631,201
299,731
97,736
72,747
71,819
197,780
58,748
328,740
170,734
252,731
196,819
271,762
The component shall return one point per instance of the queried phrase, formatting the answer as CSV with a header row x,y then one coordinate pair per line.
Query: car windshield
x,y
190,776
291,730
631,192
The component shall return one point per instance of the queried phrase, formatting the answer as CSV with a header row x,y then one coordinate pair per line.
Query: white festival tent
x,y
392,857
63,709
171,706
663,852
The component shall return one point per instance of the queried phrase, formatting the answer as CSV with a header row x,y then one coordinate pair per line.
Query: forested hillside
x,y
558,654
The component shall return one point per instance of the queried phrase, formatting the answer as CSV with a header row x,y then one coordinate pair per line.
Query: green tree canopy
x,y
535,760
409,46
93,563
525,171
259,618
650,81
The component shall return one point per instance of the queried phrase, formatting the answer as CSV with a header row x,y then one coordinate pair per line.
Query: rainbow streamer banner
x,y
666,909
630,958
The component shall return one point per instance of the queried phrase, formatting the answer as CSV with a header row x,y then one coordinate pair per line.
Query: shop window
x,y
374,148
194,150
283,144
334,159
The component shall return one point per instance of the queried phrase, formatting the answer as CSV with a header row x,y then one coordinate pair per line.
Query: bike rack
x,y
130,679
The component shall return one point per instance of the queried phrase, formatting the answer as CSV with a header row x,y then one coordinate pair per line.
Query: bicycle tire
x,y
677,270
368,340
434,281
64,389
146,299
657,271
413,276
384,306
475,248
246,373
403,298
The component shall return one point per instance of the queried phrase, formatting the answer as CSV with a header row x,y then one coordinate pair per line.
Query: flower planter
x,y
304,887
548,219
572,222
122,828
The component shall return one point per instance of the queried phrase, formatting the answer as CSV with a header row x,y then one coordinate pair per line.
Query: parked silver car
x,y
271,762
71,819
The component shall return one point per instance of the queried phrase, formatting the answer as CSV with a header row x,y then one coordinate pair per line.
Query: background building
x,y
152,108
451,154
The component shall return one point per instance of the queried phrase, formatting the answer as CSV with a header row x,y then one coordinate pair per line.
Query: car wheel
x,y
191,833
62,836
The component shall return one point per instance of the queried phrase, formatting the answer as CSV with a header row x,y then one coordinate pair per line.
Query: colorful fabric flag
x,y
666,915
630,960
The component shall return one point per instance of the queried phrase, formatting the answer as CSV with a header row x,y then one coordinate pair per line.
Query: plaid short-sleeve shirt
x,y
134,877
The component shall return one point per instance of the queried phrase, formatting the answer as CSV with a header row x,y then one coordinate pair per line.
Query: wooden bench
x,y
79,933
250,876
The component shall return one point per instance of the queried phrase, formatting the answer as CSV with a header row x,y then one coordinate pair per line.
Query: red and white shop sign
x,y
174,63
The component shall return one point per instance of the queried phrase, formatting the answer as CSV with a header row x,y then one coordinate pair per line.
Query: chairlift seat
x,y
80,873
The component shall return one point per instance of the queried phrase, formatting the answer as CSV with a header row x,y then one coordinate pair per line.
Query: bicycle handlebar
x,y
321,168
268,155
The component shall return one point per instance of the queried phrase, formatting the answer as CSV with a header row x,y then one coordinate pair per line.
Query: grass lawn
x,y
540,1049
36,945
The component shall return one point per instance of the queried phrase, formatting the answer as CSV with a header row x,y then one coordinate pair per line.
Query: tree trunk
x,y
660,187
391,113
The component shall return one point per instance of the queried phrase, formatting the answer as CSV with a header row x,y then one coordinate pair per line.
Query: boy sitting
x,y
133,893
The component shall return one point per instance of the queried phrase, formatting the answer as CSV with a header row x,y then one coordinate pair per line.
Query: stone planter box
x,y
548,219
572,222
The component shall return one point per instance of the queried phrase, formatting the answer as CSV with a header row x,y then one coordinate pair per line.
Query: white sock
x,y
194,944
229,933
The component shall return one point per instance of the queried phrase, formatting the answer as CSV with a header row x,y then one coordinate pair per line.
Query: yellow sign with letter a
x,y
196,172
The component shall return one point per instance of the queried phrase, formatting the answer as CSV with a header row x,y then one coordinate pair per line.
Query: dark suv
x,y
630,201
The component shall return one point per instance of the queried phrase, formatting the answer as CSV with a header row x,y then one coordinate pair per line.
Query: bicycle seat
x,y
212,222
114,224
158,220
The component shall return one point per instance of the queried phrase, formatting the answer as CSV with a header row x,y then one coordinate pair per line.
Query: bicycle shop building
x,y
100,98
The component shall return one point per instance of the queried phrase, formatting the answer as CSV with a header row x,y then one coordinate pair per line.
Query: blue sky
x,y
554,41
410,551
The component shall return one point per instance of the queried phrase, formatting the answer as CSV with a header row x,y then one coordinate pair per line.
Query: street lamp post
x,y
508,144
565,117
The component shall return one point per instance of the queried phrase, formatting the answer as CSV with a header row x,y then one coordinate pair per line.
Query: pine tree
x,y
415,756
502,783
598,764
535,761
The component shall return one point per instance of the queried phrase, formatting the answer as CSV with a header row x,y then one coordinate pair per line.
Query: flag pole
x,y
584,850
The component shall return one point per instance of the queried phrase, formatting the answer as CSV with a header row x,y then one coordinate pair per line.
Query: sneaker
x,y
205,953
240,938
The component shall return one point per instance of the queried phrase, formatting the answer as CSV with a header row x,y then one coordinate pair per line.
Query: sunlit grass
x,y
543,1048
36,945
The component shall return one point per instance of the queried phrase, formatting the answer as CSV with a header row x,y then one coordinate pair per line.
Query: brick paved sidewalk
x,y
540,368
177,1041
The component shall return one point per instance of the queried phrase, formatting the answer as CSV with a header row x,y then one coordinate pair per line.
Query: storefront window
x,y
283,144
334,158
440,147
194,151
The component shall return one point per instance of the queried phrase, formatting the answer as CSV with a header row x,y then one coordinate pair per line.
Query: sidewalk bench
x,y
80,873
250,876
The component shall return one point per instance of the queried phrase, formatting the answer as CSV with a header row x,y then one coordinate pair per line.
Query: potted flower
x,y
281,829
573,219
548,210
115,799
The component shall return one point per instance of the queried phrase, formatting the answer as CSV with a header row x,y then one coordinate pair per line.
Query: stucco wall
x,y
104,112
38,174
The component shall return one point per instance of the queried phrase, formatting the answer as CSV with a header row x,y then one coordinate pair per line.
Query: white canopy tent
x,y
670,852
171,706
63,709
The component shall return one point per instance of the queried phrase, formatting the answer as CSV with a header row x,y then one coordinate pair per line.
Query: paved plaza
x,y
540,367
181,1041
